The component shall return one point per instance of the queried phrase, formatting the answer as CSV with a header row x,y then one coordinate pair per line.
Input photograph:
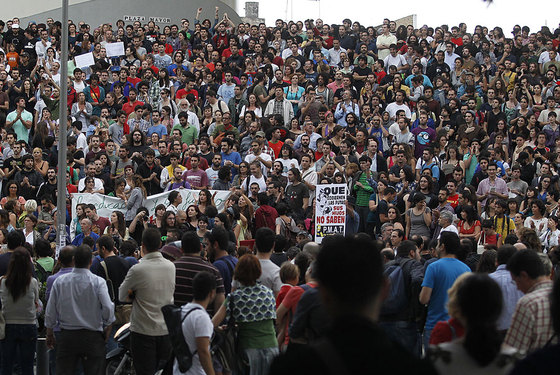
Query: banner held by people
x,y
105,205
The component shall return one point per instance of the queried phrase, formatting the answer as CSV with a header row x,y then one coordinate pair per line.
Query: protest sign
x,y
114,49
85,60
330,210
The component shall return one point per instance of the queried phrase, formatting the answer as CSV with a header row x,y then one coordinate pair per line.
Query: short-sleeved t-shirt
x,y
160,129
382,209
188,134
296,194
197,324
20,129
116,133
292,297
440,276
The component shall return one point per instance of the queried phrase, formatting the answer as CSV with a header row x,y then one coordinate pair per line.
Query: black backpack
x,y
174,322
397,299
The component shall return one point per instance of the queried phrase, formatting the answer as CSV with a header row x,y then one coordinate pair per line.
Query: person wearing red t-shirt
x,y
98,223
275,143
287,307
289,275
133,75
129,106
188,89
453,197
192,150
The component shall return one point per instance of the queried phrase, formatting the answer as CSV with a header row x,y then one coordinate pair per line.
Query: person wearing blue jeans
x,y
22,339
20,296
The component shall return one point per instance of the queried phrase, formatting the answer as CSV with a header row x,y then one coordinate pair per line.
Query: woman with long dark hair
x,y
193,214
118,227
469,225
12,193
205,199
19,292
89,185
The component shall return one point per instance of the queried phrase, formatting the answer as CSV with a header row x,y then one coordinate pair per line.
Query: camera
x,y
145,218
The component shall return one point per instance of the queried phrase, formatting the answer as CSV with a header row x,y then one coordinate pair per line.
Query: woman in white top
x,y
253,107
537,222
550,237
29,231
479,300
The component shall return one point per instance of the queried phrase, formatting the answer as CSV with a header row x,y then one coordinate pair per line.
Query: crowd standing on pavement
x,y
448,142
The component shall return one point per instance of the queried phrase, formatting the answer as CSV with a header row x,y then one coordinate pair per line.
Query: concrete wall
x,y
97,12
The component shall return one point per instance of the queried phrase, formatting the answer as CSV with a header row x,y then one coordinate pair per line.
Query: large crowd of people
x,y
448,142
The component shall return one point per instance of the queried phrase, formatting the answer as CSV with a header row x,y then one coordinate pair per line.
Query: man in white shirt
x,y
450,56
384,41
392,108
212,171
308,175
256,177
81,140
98,183
257,155
42,45
149,285
197,326
396,59
334,53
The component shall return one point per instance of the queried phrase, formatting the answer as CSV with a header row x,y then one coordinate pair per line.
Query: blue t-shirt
x,y
226,266
160,129
440,276
235,158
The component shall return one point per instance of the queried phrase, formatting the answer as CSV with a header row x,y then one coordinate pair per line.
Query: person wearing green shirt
x,y
20,120
363,190
470,160
188,133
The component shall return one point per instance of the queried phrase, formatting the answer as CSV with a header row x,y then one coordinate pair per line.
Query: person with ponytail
x,y
479,305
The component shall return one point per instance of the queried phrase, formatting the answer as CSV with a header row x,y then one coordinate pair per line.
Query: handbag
x,y
290,235
225,346
480,246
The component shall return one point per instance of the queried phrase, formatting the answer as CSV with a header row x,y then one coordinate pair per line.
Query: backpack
x,y
42,273
397,299
174,323
288,233
42,276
